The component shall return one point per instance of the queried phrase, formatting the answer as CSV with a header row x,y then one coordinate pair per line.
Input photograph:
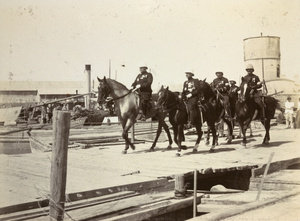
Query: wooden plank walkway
x,y
25,177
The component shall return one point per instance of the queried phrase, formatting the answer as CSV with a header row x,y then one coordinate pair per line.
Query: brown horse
x,y
127,106
246,108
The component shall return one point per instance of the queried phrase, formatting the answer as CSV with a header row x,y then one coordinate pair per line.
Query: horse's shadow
x,y
270,145
217,150
156,149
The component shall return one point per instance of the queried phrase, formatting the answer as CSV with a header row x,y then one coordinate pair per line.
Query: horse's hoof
x,y
211,150
229,140
238,136
195,150
178,155
266,142
169,147
243,144
124,151
184,147
207,143
251,135
151,149
132,147
217,143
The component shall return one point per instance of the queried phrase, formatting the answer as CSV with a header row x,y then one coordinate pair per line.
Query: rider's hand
x,y
137,86
189,95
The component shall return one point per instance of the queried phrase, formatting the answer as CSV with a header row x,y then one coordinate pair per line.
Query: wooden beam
x,y
58,177
141,187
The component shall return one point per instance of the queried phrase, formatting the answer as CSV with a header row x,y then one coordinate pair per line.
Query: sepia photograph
x,y
150,110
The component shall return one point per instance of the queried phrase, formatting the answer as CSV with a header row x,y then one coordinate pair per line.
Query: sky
x,y
53,40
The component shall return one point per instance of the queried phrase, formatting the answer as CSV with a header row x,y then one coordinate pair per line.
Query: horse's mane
x,y
206,89
113,82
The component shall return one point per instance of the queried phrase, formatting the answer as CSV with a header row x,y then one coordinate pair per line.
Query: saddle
x,y
146,103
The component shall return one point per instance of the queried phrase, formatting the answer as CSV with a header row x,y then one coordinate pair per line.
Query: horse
x,y
127,106
217,108
246,109
170,102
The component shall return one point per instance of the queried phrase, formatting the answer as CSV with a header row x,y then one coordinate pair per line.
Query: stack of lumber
x,y
125,205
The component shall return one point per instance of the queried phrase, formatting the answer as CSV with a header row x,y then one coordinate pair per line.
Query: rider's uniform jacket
x,y
234,89
221,84
145,79
252,81
191,86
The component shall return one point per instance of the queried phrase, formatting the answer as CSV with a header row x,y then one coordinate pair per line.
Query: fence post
x,y
58,177
180,188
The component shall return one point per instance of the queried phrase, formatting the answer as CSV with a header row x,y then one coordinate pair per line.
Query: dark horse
x,y
178,116
127,105
215,107
245,110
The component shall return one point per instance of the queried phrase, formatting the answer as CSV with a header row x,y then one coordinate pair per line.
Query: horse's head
x,y
103,91
205,90
243,88
162,98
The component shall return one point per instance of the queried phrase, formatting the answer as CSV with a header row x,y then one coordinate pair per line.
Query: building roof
x,y
45,87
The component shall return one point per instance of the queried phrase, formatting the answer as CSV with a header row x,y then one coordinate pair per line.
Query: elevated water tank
x,y
263,53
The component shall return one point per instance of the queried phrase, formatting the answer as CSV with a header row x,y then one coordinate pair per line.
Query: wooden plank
x,y
38,211
170,206
141,187
238,209
276,166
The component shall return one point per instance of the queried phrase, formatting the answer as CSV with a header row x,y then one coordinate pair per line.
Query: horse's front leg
x,y
207,136
244,126
158,132
199,133
215,137
230,130
175,131
267,126
126,128
181,137
166,128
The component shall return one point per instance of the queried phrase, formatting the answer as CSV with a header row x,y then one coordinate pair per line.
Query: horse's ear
x,y
99,79
167,88
204,80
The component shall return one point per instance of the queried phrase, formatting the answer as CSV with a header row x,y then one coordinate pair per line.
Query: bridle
x,y
163,105
109,89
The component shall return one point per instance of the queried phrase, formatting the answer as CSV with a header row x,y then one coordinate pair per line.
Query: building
x,y
24,93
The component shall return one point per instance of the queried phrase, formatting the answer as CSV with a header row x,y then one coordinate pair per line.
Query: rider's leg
x,y
192,104
258,100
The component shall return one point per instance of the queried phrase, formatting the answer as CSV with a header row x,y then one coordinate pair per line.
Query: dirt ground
x,y
26,177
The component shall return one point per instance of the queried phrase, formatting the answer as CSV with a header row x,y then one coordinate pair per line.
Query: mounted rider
x,y
190,94
233,90
253,84
143,84
221,83
221,86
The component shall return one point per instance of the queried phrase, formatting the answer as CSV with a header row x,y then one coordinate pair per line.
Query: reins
x,y
117,98
169,109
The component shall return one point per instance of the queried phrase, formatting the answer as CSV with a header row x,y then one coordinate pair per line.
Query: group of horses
x,y
212,107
